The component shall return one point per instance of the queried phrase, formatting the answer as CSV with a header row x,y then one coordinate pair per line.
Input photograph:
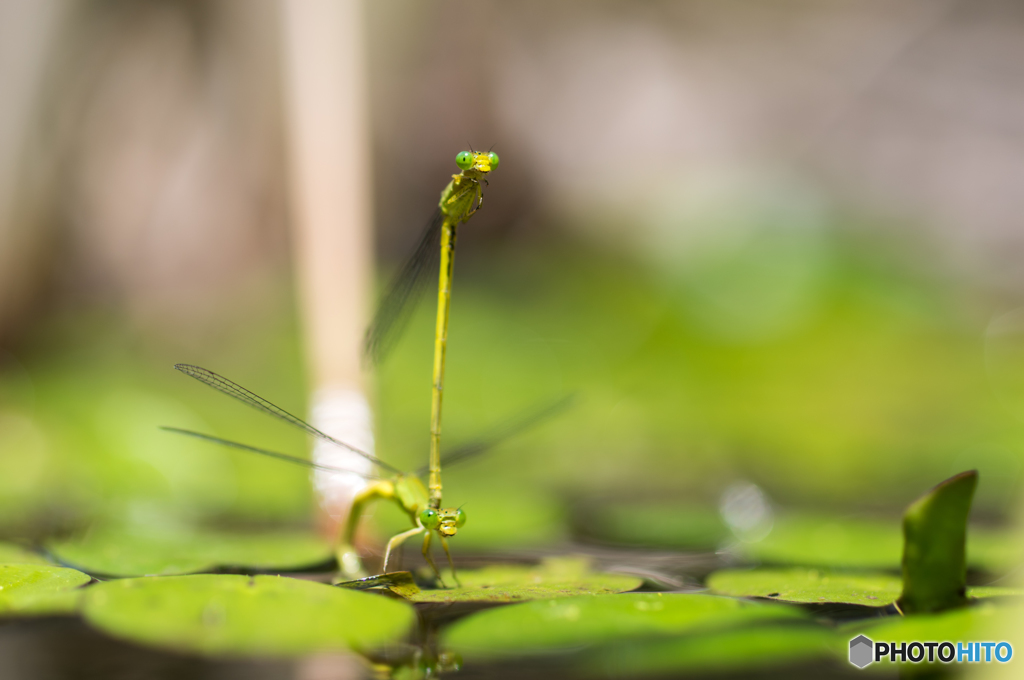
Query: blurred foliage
x,y
821,539
82,404
876,386
133,551
15,554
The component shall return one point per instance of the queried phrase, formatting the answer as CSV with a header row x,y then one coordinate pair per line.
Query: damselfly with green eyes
x,y
405,489
460,200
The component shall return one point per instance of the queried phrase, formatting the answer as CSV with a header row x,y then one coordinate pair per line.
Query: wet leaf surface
x,y
136,552
546,626
35,589
244,615
561,577
983,621
808,586
820,586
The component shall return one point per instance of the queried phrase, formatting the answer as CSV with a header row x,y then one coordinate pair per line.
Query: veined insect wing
x,y
404,291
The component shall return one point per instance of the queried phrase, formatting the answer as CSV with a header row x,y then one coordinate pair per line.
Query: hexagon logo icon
x,y
862,651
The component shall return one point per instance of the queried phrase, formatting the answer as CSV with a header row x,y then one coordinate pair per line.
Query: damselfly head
x,y
446,521
480,161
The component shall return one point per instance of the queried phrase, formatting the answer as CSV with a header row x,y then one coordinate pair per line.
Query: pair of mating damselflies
x,y
459,201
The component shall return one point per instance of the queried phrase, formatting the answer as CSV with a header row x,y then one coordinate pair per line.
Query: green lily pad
x,y
559,577
934,553
34,589
757,648
15,554
817,586
808,586
547,626
135,552
245,615
985,621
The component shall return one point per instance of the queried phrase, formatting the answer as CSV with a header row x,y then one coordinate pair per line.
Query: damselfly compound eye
x,y
429,518
460,517
494,159
464,160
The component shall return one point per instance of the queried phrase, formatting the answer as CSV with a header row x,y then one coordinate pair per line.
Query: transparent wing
x,y
403,293
521,423
222,384
264,452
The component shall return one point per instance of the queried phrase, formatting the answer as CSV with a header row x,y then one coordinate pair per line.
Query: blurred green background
x,y
872,390
755,254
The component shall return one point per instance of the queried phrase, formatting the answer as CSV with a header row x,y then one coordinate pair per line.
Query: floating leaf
x,y
754,648
546,626
27,589
808,586
819,586
136,552
985,621
935,534
257,615
15,554
559,577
